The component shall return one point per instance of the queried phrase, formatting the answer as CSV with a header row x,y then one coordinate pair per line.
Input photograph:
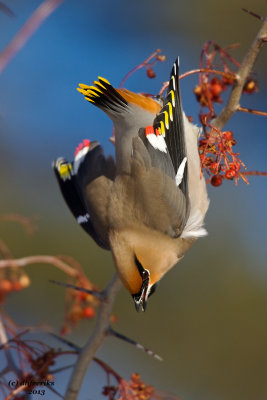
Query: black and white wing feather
x,y
169,123
85,184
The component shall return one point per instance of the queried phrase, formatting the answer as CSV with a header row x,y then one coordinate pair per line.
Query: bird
x,y
147,206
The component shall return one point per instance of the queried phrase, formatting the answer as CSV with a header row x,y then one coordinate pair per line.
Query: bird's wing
x,y
148,196
165,145
170,124
116,101
85,185
104,96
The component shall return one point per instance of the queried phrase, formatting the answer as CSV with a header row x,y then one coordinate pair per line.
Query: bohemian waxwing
x,y
149,205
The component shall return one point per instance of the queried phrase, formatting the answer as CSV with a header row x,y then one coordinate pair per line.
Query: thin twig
x,y
108,369
33,23
253,14
241,76
253,173
6,9
209,71
250,110
139,346
28,223
139,66
197,71
95,293
40,259
98,336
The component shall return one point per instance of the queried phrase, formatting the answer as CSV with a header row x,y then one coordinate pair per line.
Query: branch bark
x,y
97,338
232,104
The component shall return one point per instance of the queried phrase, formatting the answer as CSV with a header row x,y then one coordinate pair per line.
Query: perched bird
x,y
147,206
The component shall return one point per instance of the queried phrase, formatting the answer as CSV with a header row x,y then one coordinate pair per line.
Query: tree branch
x,y
250,110
33,23
241,76
98,336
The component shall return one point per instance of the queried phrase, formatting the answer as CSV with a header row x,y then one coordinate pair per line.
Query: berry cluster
x,y
13,283
140,390
135,389
218,159
79,305
208,91
216,147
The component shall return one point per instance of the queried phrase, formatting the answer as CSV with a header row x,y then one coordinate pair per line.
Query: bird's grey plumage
x,y
146,196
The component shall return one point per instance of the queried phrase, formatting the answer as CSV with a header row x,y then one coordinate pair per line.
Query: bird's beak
x,y
140,299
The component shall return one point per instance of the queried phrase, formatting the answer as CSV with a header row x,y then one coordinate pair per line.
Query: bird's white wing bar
x,y
80,154
156,141
81,219
180,172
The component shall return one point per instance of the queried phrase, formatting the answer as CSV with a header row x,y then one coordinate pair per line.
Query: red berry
x,y
214,168
227,80
88,312
82,296
228,135
16,286
236,166
150,72
5,286
216,87
230,173
216,180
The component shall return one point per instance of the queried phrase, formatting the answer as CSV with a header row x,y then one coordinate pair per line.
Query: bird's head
x,y
141,257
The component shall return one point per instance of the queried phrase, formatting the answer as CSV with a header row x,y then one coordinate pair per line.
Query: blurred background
x,y
208,318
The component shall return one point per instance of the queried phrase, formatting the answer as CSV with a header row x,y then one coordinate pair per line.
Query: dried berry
x,y
216,180
150,72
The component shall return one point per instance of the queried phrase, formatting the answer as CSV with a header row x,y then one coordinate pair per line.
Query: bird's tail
x,y
104,96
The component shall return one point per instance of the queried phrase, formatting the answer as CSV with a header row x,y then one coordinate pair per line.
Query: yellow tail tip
x,y
93,89
82,91
83,86
103,79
